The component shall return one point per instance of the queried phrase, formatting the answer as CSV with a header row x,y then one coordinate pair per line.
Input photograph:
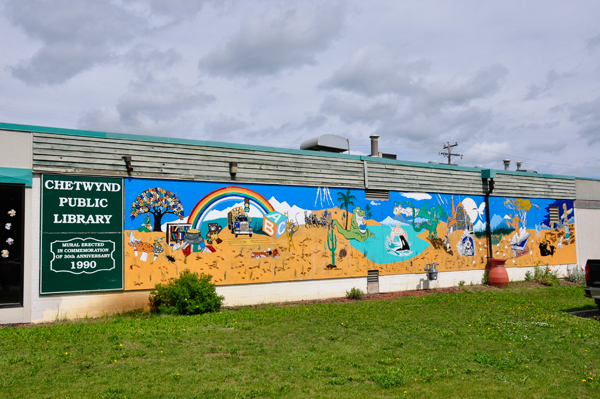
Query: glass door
x,y
12,220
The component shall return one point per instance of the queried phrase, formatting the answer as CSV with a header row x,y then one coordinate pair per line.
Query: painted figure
x,y
565,221
146,226
432,217
358,230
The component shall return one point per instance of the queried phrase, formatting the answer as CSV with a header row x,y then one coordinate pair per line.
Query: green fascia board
x,y
168,140
16,175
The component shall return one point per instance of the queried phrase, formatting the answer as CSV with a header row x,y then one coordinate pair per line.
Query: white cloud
x,y
417,196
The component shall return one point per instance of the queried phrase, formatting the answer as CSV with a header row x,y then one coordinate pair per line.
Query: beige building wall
x,y
587,230
587,220
16,149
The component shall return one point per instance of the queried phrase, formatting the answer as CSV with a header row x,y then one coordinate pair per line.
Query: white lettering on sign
x,y
81,219
85,265
81,186
82,255
83,202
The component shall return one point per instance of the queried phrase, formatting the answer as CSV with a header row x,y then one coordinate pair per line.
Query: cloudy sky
x,y
505,79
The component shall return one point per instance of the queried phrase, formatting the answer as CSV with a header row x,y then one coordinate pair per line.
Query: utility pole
x,y
449,154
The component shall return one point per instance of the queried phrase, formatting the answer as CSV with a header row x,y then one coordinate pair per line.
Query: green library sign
x,y
82,234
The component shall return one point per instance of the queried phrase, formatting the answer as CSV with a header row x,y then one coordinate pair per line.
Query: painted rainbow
x,y
226,194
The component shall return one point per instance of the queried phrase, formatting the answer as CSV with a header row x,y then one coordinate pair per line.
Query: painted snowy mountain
x,y
479,226
496,221
388,221
295,213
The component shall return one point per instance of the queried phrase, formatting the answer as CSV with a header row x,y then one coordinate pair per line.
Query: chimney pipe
x,y
506,164
519,165
374,145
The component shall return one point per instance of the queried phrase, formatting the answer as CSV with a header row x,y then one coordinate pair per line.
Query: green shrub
x,y
538,273
543,275
576,275
485,280
461,283
189,294
354,293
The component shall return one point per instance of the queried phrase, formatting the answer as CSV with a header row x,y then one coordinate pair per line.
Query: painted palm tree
x,y
345,201
369,214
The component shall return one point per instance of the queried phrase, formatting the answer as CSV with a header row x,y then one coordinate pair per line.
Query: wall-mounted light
x,y
233,168
127,160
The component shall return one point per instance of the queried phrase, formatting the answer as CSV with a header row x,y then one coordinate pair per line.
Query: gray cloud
x,y
450,125
350,110
593,43
176,9
405,102
283,39
224,125
76,36
551,78
57,63
549,146
154,100
587,115
147,58
461,91
313,122
376,70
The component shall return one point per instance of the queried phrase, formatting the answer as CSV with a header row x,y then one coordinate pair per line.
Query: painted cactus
x,y
332,245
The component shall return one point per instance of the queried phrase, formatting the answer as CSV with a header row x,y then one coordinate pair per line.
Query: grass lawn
x,y
511,343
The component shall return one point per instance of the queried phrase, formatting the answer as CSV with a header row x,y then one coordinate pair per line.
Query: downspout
x,y
488,174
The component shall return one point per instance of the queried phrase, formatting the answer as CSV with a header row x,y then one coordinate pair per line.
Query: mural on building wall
x,y
533,231
266,233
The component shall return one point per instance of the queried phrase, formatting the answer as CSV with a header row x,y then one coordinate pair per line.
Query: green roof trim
x,y
587,178
169,140
16,175
547,176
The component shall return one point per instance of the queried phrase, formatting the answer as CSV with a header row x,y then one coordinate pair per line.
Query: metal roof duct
x,y
326,142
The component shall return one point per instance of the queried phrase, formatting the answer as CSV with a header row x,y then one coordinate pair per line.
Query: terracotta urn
x,y
498,276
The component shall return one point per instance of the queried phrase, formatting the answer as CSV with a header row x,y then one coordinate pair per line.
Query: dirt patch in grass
x,y
383,296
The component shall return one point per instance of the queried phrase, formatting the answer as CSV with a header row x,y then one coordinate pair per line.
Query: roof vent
x,y
326,142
